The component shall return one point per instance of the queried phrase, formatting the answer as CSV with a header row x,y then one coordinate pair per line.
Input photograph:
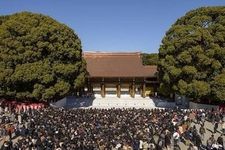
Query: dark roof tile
x,y
117,65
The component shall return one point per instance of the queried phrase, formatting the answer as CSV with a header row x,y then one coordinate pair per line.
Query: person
x,y
211,141
216,126
223,127
176,147
145,145
19,119
202,132
216,146
203,115
167,140
7,145
198,141
52,128
220,140
160,143
1,109
10,130
176,137
192,147
141,144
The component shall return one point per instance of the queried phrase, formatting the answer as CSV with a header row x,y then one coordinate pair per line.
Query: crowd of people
x,y
109,129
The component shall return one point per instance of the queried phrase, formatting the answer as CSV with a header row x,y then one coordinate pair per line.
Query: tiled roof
x,y
101,64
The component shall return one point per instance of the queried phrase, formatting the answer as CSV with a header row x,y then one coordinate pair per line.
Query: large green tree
x,y
192,55
149,59
40,58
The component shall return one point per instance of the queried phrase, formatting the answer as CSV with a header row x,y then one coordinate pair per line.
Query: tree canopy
x,y
149,59
192,55
40,58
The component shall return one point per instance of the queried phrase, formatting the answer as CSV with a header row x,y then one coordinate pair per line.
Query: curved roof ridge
x,y
97,53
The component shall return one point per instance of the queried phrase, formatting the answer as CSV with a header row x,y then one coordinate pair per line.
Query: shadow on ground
x,y
163,103
73,102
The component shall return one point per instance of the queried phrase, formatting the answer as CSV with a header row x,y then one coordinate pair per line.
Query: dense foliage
x,y
149,59
40,58
192,55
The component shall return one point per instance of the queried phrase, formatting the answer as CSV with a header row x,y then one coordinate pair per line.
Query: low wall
x,y
193,105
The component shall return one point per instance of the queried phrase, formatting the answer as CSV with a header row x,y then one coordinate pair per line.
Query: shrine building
x,y
119,74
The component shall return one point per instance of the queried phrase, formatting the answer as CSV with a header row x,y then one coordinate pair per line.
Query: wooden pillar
x,y
130,90
103,88
90,89
143,90
118,91
88,86
155,89
133,89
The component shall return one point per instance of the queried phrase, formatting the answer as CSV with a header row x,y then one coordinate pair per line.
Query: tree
x,y
149,59
40,58
192,55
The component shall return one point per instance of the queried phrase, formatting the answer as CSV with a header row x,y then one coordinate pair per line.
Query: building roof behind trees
x,y
120,64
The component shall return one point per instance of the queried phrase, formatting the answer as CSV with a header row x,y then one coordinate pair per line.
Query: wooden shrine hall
x,y
119,74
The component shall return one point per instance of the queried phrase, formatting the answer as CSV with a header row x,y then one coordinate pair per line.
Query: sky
x,y
113,25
